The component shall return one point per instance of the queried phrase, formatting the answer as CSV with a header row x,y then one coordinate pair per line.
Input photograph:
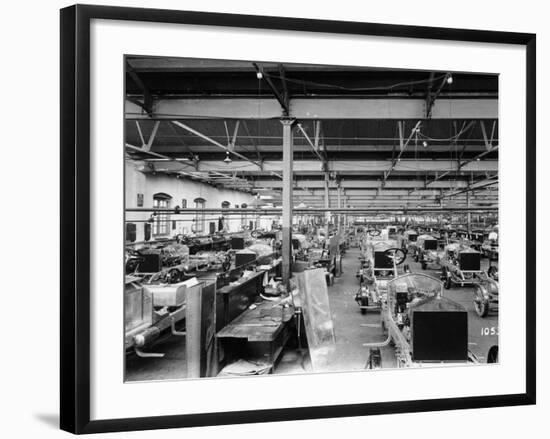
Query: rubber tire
x,y
175,275
364,302
484,310
448,282
492,355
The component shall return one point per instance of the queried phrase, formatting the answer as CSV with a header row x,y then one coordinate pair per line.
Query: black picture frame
x,y
75,215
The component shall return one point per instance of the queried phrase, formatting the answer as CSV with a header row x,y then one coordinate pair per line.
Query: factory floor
x,y
351,329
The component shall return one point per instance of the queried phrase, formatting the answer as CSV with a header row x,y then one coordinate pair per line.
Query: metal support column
x,y
287,198
327,204
339,193
469,214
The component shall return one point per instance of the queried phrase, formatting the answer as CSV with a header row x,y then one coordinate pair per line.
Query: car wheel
x,y
448,281
364,302
175,276
482,307
492,355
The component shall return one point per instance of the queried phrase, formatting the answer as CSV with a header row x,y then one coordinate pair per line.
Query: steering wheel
x,y
396,254
374,232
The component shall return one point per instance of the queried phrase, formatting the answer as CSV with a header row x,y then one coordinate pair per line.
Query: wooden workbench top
x,y
258,324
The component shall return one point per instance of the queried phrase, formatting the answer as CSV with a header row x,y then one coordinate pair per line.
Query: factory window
x,y
200,203
221,220
161,220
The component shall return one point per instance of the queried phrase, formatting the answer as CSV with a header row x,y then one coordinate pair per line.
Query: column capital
x,y
287,120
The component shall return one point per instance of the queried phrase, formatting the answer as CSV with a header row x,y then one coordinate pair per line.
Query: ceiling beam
x,y
313,146
368,192
152,136
214,142
433,96
397,159
352,167
147,104
336,147
492,181
280,97
316,108
253,141
363,183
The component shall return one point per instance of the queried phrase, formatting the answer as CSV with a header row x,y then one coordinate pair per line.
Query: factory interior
x,y
292,218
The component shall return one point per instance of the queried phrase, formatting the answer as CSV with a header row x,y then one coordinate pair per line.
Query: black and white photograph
x,y
285,218
275,219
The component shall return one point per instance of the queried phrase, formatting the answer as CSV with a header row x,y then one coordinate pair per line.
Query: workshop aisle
x,y
351,328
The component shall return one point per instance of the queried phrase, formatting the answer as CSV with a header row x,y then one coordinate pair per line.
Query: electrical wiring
x,y
340,87
448,139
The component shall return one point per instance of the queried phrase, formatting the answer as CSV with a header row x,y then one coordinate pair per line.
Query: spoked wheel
x,y
446,279
174,275
493,272
482,307
481,304
132,265
397,254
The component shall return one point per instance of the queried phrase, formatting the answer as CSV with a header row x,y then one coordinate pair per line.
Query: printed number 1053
x,y
489,331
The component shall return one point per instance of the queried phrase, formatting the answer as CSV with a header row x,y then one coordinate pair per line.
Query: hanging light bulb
x,y
450,79
227,159
259,75
425,144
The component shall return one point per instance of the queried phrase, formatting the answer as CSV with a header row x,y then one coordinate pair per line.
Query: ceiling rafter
x,y
278,95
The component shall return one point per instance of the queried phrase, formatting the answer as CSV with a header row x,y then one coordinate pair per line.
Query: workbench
x,y
239,329
258,333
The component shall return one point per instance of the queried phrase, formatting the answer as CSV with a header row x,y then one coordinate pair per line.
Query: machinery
x,y
409,240
460,265
172,263
426,251
151,309
476,238
300,246
391,232
422,326
489,249
486,297
379,264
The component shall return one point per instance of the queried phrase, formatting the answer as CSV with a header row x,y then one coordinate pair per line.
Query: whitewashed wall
x,y
138,182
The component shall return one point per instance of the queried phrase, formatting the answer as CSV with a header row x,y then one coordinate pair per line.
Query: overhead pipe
x,y
315,210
